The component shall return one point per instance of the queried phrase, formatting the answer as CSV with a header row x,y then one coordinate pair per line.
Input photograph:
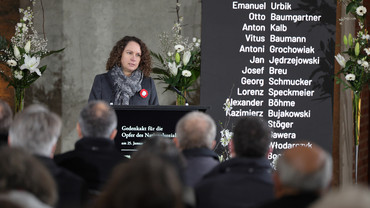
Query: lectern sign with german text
x,y
137,123
272,59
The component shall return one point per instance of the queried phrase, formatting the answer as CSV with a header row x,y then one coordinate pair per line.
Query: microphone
x,y
180,93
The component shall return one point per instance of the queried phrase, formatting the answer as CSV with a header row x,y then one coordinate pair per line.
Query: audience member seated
x,y
20,199
166,149
6,118
143,182
354,196
36,130
95,154
245,180
195,137
21,171
302,175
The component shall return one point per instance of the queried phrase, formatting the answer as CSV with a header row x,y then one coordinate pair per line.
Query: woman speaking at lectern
x,y
127,81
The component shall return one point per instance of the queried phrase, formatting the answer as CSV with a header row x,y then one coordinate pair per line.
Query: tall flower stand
x,y
356,121
19,93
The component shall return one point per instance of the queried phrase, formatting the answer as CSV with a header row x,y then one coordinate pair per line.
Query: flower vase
x,y
356,122
19,99
180,98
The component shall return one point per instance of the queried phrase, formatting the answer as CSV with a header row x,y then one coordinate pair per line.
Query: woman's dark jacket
x,y
102,89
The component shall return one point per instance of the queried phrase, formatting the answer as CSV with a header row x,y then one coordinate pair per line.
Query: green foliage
x,y
356,56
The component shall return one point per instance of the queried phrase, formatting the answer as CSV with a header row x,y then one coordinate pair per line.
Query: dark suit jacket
x,y
236,183
72,189
93,159
199,161
102,89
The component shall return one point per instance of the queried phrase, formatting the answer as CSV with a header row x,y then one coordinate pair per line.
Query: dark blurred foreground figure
x,y
143,182
165,149
6,118
19,170
353,196
302,175
245,180
20,199
4,203
95,154
195,137
36,129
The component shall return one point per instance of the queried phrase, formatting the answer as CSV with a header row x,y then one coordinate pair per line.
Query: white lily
x,y
186,57
341,60
11,62
17,54
27,47
31,63
350,77
179,48
186,73
173,68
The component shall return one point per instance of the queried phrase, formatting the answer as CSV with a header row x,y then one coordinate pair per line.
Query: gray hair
x,y
315,181
6,116
196,129
97,119
35,129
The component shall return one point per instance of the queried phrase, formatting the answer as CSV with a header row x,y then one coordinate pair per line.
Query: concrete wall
x,y
88,29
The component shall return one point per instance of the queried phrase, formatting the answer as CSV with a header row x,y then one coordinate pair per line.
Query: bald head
x,y
97,119
305,168
305,160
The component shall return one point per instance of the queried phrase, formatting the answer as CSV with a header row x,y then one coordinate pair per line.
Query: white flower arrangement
x,y
354,61
355,64
222,147
22,55
178,65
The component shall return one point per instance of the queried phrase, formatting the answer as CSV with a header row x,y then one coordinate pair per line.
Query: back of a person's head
x,y
164,148
97,119
251,137
6,117
196,129
305,169
354,196
143,182
21,171
36,129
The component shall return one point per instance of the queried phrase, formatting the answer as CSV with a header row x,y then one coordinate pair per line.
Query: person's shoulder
x,y
147,79
101,76
60,158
